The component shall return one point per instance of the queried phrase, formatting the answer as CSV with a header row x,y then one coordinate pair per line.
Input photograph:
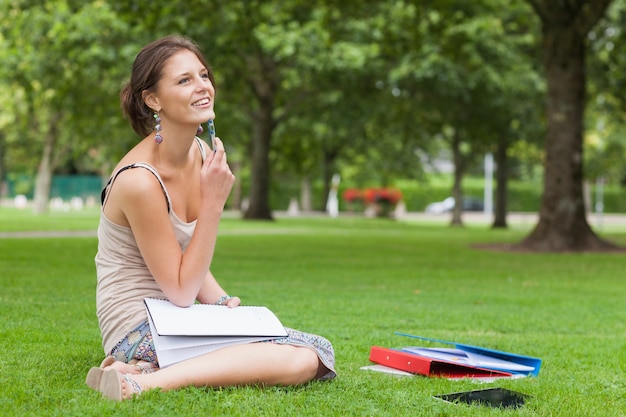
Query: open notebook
x,y
182,333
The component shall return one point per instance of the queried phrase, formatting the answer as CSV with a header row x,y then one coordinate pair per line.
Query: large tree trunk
x,y
502,180
259,207
562,222
264,85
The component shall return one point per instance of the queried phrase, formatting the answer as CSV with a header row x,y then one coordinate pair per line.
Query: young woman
x,y
160,214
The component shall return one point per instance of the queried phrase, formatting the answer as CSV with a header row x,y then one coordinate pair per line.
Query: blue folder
x,y
517,364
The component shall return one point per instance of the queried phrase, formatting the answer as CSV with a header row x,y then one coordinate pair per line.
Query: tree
x,y
460,66
298,50
605,145
517,102
562,222
269,57
62,69
286,52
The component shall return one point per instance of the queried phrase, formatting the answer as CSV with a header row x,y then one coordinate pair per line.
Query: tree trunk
x,y
2,162
306,194
562,222
502,181
264,86
46,167
259,207
457,191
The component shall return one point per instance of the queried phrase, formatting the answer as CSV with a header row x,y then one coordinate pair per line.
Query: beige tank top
x,y
123,277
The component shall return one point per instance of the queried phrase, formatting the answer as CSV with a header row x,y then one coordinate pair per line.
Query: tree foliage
x,y
64,73
305,91
605,142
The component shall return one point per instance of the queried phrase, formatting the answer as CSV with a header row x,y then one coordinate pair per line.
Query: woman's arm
x,y
181,275
211,292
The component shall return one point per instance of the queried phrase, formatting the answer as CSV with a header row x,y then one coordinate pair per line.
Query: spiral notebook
x,y
181,333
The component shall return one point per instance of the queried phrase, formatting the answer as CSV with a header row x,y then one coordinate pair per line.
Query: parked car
x,y
447,205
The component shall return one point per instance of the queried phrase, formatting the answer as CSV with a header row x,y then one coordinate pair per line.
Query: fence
x,y
64,187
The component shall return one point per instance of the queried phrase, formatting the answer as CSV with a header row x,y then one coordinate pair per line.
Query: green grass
x,y
21,220
355,281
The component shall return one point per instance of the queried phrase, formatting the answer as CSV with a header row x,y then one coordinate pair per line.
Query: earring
x,y
200,130
157,138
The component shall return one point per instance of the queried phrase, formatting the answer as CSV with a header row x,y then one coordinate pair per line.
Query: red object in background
x,y
352,194
382,195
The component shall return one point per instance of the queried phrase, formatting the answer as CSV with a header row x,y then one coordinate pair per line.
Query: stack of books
x,y
461,361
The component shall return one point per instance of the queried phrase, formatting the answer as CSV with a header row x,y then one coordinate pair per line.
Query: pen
x,y
211,127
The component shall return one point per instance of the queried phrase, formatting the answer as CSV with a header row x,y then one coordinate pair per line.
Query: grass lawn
x,y
355,281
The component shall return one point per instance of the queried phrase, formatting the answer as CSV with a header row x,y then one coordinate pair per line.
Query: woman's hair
x,y
147,71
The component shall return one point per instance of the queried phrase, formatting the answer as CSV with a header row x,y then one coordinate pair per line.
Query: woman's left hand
x,y
232,302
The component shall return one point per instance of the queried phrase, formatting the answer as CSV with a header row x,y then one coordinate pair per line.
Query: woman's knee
x,y
303,365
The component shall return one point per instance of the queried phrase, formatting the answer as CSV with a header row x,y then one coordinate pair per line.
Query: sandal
x,y
94,374
118,386
108,361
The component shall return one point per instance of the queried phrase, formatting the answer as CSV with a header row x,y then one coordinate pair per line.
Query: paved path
x,y
40,234
605,222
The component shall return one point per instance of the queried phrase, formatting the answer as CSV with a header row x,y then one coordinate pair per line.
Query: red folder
x,y
416,364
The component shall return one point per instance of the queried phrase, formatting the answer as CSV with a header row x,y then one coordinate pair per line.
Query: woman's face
x,y
184,94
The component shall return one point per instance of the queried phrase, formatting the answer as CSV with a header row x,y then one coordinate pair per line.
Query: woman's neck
x,y
175,150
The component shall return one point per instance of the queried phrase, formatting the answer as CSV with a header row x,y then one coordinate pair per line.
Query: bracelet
x,y
223,299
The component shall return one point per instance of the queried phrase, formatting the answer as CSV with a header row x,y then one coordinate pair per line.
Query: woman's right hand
x,y
216,178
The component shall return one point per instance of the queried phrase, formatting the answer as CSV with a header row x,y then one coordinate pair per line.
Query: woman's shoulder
x,y
130,187
138,154
136,171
